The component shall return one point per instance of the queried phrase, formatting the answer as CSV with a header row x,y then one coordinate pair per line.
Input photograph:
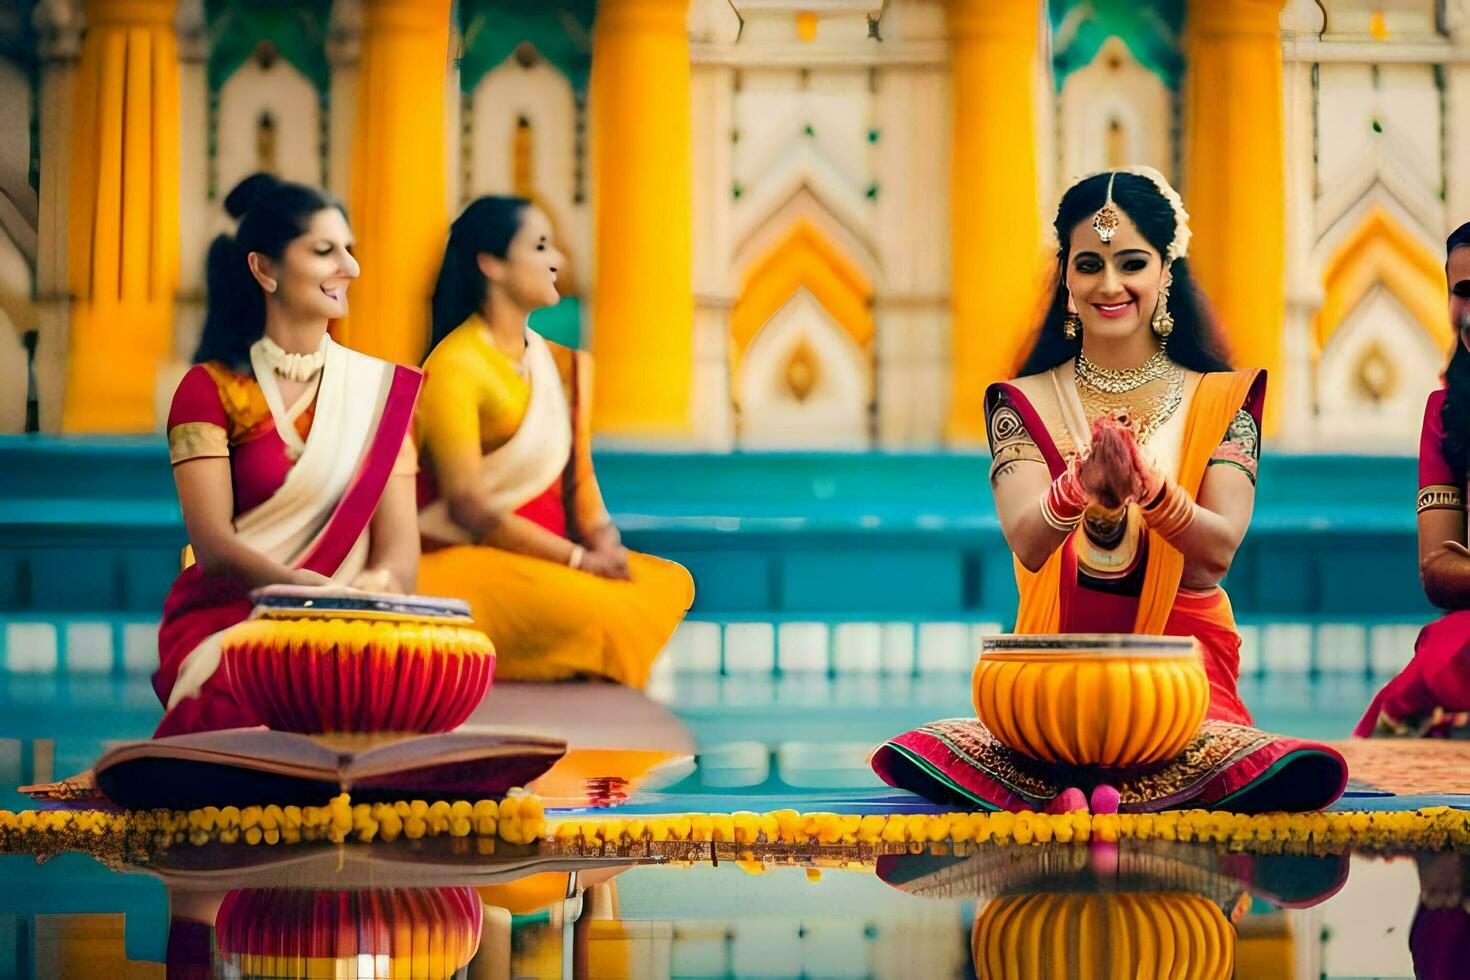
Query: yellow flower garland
x,y
1430,828
520,819
517,819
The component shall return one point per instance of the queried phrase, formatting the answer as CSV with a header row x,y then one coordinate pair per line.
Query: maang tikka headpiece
x,y
1108,218
1105,222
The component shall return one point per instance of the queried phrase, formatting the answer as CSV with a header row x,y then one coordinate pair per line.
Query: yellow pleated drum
x,y
1092,699
1137,936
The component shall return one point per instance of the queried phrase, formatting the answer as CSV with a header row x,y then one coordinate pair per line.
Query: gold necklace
x,y
1149,394
1116,382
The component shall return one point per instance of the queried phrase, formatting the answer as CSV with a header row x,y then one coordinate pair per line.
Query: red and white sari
x,y
305,499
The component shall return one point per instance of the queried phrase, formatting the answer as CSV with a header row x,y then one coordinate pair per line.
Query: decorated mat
x,y
1407,767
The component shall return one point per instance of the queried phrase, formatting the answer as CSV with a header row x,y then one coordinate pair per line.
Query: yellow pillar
x,y
398,198
123,228
643,299
995,225
1235,185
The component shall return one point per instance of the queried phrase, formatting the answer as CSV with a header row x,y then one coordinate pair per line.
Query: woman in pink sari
x,y
1431,696
292,454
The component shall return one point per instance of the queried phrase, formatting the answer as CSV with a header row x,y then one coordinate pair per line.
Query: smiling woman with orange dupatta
x,y
1124,476
511,516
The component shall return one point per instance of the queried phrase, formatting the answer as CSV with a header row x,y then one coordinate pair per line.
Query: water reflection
x,y
1135,909
1439,939
429,908
298,932
352,914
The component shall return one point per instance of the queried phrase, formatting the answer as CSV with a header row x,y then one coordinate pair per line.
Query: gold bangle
x,y
1441,497
578,553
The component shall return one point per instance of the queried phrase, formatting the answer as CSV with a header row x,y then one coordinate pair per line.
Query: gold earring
x,y
1071,325
1163,321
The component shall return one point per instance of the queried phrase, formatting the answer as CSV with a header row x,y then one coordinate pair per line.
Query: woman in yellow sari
x,y
1124,467
511,517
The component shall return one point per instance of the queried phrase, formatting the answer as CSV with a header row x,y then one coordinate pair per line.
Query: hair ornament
x,y
1106,221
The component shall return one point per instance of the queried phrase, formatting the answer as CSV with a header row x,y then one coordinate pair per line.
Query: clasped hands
x,y
1112,473
606,557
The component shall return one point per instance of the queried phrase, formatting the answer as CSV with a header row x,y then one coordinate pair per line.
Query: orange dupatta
x,y
1219,397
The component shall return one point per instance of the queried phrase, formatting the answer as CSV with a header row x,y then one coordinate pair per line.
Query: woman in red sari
x,y
1126,336
292,454
1431,696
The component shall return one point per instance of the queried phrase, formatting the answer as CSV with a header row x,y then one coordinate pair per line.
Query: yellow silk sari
x,y
548,621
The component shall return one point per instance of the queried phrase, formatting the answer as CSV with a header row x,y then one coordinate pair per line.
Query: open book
x,y
258,766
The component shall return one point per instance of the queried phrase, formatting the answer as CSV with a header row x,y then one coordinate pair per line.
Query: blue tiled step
x,y
105,643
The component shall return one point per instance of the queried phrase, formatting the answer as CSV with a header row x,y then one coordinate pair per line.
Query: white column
x,y
344,54
712,97
911,311
1295,390
59,24
1456,127
200,219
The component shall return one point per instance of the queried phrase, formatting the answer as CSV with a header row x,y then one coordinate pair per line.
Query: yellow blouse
x,y
474,399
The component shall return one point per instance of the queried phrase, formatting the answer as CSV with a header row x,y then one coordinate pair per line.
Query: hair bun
x,y
248,193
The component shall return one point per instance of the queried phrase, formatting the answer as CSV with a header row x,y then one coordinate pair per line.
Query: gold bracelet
x,y
578,553
1441,497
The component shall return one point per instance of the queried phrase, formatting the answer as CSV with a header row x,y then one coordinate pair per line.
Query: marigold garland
x,y
517,819
844,839
1429,828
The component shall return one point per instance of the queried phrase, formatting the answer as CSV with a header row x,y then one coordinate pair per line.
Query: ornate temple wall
x,y
868,231
1371,137
820,258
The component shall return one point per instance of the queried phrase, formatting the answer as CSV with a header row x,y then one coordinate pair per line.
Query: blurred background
x,y
817,224
803,235
802,238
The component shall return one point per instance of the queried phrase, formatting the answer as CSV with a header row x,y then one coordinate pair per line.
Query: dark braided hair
x,y
1454,415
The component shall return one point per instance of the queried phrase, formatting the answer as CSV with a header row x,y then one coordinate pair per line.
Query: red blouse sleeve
x,y
196,399
1434,471
197,423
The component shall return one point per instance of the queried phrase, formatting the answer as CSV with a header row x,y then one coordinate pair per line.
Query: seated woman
x,y
511,516
1431,696
1126,337
292,454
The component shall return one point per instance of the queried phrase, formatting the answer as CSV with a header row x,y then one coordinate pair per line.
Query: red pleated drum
x,y
322,661
402,932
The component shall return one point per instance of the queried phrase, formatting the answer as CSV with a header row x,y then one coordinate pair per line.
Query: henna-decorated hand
x,y
1110,473
1070,489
